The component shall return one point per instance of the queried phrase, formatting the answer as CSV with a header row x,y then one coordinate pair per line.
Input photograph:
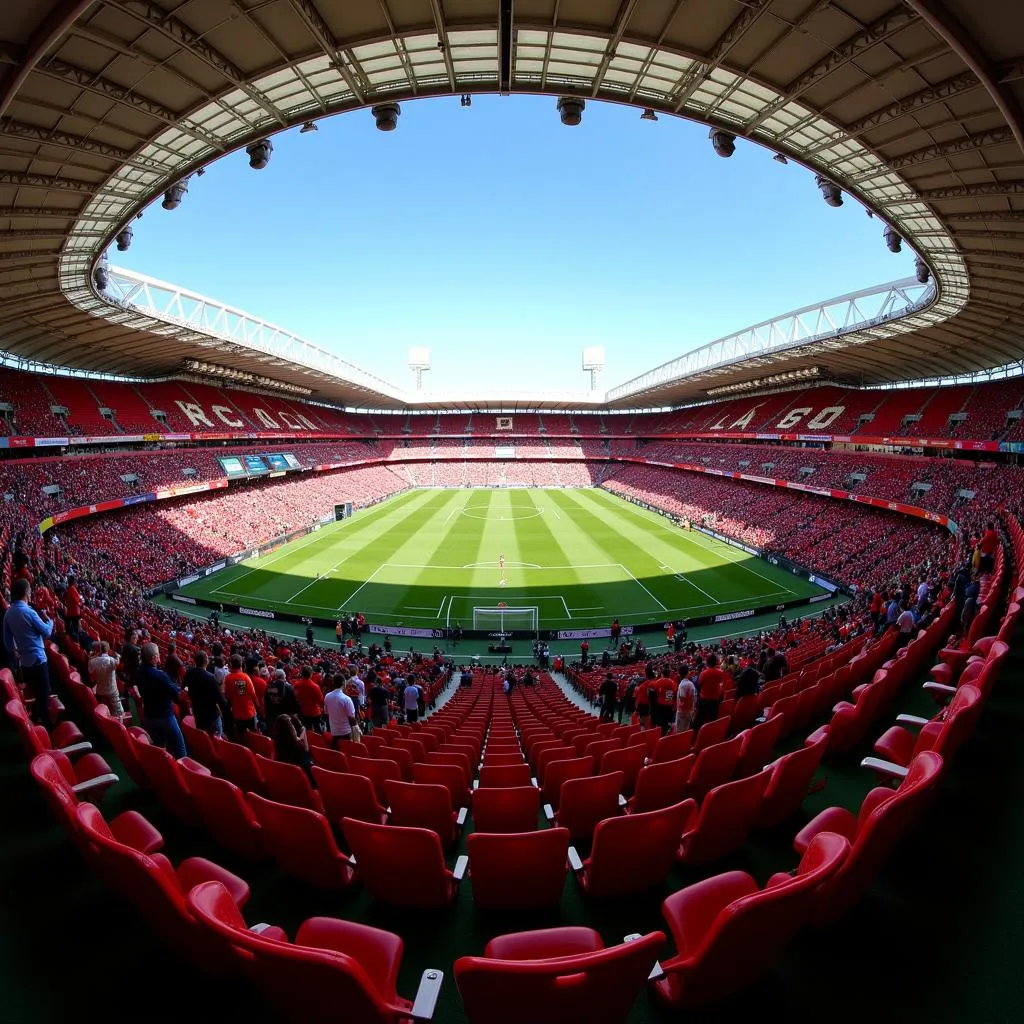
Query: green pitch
x,y
427,558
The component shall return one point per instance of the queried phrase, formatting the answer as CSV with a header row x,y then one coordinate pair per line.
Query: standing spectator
x,y
279,698
378,697
341,712
291,743
103,676
775,666
609,691
663,711
748,682
172,664
72,609
241,696
686,700
616,633
25,633
159,695
411,700
208,703
310,698
905,623
711,688
628,703
584,651
310,635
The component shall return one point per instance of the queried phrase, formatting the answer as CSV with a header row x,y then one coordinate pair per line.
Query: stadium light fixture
x,y
780,158
893,241
570,110
922,270
724,142
259,153
648,114
174,195
789,377
309,126
101,275
124,238
386,115
465,100
230,374
830,191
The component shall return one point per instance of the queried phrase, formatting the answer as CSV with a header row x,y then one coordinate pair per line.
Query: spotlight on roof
x,y
174,195
200,172
893,242
309,126
465,100
101,275
648,114
259,153
124,238
386,115
724,142
922,270
570,109
780,158
830,192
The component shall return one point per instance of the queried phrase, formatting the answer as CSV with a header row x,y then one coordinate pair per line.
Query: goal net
x,y
504,620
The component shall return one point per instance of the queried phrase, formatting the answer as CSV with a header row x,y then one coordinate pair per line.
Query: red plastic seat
x,y
402,866
261,745
661,785
550,754
557,773
301,842
792,775
711,733
504,775
332,966
349,796
727,816
64,736
714,765
157,889
506,809
168,781
122,740
629,761
728,932
585,802
518,871
378,771
241,767
610,870
450,757
598,748
555,975
201,746
420,805
288,784
672,747
326,757
224,812
448,775
758,744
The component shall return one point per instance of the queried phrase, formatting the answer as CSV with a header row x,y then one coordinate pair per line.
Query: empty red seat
x,y
345,795
661,785
727,816
448,775
558,773
585,802
241,767
791,778
122,739
420,805
758,744
288,784
629,761
711,733
555,975
714,765
402,866
506,809
728,932
224,812
378,771
332,966
518,871
672,747
168,781
505,775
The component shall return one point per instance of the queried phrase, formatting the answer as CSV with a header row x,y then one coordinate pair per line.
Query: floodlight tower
x,y
593,363
419,363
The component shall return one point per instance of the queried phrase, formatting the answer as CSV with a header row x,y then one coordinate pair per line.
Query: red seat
x,y
791,778
157,889
259,744
585,802
420,805
288,784
610,870
598,748
714,765
348,796
506,809
301,842
629,761
201,746
64,736
555,975
885,817
450,757
122,739
501,775
661,785
241,767
402,866
326,757
222,807
518,871
758,744
672,747
726,818
378,771
728,932
711,733
448,775
549,754
168,781
333,964
557,773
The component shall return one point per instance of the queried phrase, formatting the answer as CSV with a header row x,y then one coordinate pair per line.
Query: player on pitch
x,y
501,566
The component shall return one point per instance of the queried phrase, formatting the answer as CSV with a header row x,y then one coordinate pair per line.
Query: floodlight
x,y
893,242
124,238
419,363
780,158
386,115
259,153
831,192
723,142
570,109
922,269
309,126
648,114
174,195
465,100
101,275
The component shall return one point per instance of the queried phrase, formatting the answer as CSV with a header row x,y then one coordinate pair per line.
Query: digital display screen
x,y
232,465
277,462
255,464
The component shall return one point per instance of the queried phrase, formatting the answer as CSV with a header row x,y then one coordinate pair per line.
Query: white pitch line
x,y
555,511
366,582
642,587
566,607
440,607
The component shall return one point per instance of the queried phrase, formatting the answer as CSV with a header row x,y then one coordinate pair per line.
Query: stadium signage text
x,y
590,634
729,616
259,613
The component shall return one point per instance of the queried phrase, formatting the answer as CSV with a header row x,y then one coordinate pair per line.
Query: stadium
x,y
689,695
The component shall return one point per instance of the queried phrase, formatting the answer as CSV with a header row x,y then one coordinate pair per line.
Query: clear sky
x,y
506,242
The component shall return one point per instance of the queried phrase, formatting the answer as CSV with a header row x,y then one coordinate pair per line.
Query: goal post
x,y
506,620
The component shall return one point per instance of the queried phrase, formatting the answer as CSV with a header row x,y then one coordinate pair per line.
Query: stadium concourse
x,y
248,814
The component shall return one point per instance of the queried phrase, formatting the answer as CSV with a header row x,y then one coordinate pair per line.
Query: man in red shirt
x,y
988,545
711,689
72,610
664,711
241,696
310,698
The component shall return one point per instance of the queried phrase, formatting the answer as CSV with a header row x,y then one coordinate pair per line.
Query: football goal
x,y
506,620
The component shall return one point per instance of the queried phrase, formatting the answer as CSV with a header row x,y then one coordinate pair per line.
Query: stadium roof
x,y
915,108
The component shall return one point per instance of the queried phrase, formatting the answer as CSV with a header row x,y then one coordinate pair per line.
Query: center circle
x,y
507,515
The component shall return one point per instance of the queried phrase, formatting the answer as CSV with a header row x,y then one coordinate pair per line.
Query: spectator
x,y
411,700
103,676
341,712
711,688
208,703
291,743
609,691
378,697
241,696
25,634
310,698
159,696
686,700
279,698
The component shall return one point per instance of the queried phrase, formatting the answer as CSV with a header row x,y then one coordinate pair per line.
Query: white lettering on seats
x,y
826,417
222,412
266,419
793,417
194,413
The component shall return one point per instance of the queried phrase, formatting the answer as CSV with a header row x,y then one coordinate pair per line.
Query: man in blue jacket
x,y
25,635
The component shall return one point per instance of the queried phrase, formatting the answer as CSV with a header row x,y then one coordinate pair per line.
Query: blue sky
x,y
506,242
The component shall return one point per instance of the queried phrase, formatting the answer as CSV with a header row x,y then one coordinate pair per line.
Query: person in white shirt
x,y
923,591
905,623
411,700
341,712
361,687
686,701
103,676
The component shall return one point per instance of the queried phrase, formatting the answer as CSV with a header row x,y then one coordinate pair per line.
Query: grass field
x,y
580,557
